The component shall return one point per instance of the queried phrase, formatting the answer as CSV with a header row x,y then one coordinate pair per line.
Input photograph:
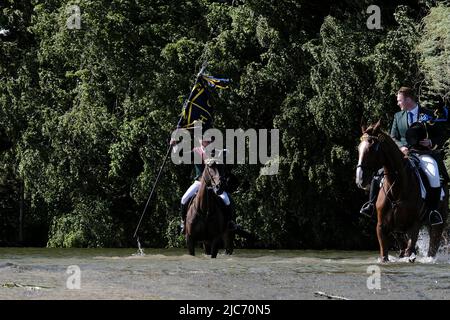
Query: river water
x,y
43,273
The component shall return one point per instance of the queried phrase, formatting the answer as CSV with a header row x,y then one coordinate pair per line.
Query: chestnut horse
x,y
206,219
400,207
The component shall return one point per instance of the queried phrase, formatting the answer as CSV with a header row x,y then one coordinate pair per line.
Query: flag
x,y
439,116
198,107
216,82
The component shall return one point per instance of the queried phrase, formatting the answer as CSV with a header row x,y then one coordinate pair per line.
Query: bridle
x,y
367,137
215,186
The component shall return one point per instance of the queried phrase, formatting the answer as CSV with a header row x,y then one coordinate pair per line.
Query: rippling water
x,y
31,273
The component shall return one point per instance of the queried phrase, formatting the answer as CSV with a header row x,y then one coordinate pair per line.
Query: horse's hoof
x,y
412,258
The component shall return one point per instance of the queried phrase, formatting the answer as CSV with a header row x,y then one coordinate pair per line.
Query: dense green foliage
x,y
85,114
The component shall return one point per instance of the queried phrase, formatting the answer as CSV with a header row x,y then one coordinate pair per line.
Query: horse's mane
x,y
392,149
395,156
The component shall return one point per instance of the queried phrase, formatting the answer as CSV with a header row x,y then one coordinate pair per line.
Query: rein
x,y
213,185
393,203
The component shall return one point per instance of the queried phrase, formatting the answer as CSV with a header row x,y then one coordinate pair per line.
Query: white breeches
x,y
193,190
429,166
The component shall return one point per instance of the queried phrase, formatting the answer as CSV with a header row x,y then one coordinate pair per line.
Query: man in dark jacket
x,y
410,114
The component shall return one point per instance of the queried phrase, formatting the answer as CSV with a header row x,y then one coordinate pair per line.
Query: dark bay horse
x,y
206,219
400,207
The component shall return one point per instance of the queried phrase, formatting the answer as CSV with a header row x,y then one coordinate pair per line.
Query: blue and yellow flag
x,y
198,107
216,82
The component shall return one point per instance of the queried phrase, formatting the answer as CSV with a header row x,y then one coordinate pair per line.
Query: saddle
x,y
414,165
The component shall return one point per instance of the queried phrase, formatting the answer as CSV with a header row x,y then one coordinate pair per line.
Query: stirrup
x,y
367,209
438,217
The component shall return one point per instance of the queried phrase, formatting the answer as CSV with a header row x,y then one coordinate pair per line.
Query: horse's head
x,y
369,156
213,174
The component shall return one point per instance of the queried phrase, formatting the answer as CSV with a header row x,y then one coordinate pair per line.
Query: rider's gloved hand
x,y
405,150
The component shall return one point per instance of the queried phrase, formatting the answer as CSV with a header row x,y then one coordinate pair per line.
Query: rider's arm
x,y
395,135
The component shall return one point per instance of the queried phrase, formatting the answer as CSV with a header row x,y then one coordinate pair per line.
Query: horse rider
x,y
412,137
192,190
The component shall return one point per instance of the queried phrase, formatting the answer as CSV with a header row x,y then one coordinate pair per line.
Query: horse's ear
x,y
376,126
363,128
363,125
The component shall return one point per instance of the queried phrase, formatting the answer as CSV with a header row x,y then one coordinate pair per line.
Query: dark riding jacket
x,y
400,126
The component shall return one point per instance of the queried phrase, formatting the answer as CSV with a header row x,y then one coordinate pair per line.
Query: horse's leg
x,y
207,247
402,242
190,244
382,232
436,231
383,242
413,235
228,239
435,239
402,251
215,247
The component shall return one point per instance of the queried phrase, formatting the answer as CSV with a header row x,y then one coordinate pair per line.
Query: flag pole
x,y
165,159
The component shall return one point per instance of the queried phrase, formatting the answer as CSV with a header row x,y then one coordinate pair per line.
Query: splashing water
x,y
423,242
140,251
444,249
442,256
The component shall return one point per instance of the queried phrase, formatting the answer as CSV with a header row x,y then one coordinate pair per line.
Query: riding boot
x,y
433,200
444,173
438,156
367,208
183,212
